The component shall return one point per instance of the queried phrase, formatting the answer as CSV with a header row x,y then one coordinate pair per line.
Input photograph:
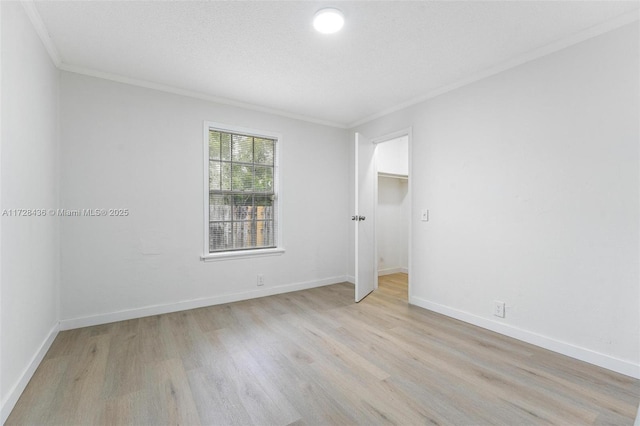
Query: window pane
x,y
264,234
243,207
242,179
242,148
264,179
243,235
219,207
226,177
214,145
264,207
263,149
220,236
225,142
214,175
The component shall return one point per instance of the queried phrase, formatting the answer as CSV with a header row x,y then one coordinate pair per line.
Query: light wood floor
x,y
314,357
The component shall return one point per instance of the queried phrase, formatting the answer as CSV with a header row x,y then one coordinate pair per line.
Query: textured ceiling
x,y
268,55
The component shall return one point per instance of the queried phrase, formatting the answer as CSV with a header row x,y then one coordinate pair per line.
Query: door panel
x,y
365,267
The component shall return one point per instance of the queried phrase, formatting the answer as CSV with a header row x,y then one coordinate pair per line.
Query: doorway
x,y
366,205
392,216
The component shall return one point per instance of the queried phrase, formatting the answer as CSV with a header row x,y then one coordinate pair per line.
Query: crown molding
x,y
41,30
579,37
197,95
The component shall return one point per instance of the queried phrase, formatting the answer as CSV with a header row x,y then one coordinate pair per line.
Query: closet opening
x,y
392,216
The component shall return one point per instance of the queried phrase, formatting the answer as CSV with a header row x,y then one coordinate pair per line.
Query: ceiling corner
x,y
32,12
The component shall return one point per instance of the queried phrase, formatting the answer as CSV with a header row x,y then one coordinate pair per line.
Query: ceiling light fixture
x,y
328,21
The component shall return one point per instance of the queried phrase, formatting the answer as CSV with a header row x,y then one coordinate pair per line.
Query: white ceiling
x,y
267,54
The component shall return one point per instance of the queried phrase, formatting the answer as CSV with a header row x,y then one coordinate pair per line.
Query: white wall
x,y
29,262
531,178
129,147
392,156
392,224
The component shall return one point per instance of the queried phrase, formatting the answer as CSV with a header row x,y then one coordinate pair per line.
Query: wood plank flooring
x,y
314,357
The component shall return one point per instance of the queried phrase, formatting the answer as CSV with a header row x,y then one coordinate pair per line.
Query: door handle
x,y
354,217
361,218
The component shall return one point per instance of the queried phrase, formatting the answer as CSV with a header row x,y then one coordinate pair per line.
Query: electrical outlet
x,y
498,309
425,216
260,279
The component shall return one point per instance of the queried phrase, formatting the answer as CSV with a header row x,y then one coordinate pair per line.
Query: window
x,y
242,191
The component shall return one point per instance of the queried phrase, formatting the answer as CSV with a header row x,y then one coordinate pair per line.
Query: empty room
x,y
319,213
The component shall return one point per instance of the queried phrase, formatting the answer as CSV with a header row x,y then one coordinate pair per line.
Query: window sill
x,y
211,257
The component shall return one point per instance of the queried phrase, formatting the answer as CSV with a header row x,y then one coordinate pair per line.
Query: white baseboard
x,y
577,352
389,271
17,389
146,311
351,279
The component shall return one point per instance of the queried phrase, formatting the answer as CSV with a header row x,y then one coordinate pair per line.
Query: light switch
x,y
425,215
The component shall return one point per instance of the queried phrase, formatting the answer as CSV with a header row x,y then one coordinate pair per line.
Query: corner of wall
x,y
14,37
12,397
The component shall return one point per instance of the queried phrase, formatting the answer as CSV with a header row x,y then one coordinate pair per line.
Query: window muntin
x,y
242,169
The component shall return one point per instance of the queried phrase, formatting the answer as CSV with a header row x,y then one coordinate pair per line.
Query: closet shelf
x,y
393,175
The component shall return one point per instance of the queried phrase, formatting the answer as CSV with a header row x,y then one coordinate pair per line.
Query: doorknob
x,y
354,217
361,218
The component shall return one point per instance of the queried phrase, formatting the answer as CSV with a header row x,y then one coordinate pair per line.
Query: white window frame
x,y
272,251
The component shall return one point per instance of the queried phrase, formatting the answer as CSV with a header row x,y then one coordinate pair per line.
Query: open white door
x,y
366,274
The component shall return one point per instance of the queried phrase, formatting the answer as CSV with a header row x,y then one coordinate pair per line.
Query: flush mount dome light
x,y
328,20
